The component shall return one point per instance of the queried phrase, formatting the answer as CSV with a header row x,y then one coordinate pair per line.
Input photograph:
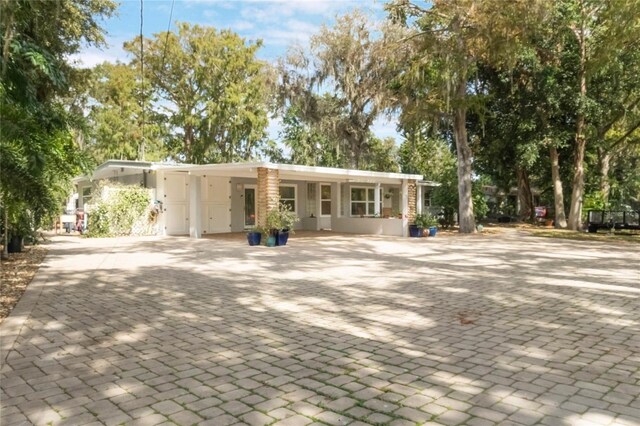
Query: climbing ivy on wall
x,y
119,210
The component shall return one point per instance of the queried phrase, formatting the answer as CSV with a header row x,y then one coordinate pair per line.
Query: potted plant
x,y
20,228
254,236
279,223
414,230
431,223
419,224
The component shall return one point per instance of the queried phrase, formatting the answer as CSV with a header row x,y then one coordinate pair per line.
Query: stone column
x,y
412,195
408,204
268,192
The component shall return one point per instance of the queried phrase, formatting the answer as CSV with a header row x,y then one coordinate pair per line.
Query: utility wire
x,y
142,79
166,39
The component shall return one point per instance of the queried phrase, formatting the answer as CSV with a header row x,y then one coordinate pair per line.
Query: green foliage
x,y
355,60
381,155
212,89
425,220
38,151
119,210
425,154
281,218
446,196
116,116
308,144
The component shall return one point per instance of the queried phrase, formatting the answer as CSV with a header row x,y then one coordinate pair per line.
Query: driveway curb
x,y
12,325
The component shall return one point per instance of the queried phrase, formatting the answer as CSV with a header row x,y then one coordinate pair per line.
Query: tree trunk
x,y
354,155
558,196
466,219
5,250
575,210
525,195
605,165
188,143
577,191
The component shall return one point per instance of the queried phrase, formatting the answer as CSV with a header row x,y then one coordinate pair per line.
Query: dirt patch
x,y
624,236
15,275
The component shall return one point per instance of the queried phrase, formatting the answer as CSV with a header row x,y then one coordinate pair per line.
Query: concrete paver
x,y
333,329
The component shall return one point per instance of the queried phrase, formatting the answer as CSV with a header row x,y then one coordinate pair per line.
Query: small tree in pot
x,y
280,222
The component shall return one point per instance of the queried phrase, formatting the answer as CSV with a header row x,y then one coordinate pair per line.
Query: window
x,y
362,201
325,200
427,199
288,196
86,196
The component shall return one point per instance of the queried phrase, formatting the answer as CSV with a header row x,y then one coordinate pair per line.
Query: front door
x,y
250,215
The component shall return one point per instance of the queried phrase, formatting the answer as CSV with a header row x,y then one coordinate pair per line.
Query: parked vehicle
x,y
612,220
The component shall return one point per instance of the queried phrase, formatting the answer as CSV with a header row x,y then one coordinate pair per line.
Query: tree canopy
x,y
539,95
38,150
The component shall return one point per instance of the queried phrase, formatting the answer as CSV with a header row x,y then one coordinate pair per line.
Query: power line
x,y
166,39
141,153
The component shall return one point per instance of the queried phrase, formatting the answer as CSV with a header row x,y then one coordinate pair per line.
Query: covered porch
x,y
235,197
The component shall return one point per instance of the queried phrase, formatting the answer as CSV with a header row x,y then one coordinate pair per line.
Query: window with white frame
x,y
288,196
325,200
427,198
86,196
362,201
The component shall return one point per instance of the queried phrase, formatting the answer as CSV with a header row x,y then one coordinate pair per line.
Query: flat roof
x,y
287,171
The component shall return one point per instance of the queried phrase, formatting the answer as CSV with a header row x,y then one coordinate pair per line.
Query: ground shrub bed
x,y
16,273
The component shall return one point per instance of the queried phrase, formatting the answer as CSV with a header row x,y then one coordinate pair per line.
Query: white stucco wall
x,y
365,225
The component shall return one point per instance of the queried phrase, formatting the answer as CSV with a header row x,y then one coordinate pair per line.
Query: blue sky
x,y
279,23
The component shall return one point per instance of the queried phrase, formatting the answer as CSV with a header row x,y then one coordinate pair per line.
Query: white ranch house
x,y
217,198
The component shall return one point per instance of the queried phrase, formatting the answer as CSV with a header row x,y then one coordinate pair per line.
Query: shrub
x,y
281,218
119,210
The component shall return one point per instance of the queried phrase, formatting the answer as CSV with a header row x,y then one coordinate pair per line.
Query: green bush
x,y
281,218
425,220
119,210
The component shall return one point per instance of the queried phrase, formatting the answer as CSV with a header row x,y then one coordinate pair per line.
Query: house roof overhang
x,y
117,168
294,172
113,168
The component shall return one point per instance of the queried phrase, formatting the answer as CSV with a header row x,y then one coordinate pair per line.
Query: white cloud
x,y
209,13
241,25
92,56
384,127
287,33
275,11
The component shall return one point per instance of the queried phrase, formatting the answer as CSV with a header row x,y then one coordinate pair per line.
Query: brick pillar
x,y
268,192
412,195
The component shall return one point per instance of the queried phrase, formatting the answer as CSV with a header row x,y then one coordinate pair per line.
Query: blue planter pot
x,y
254,238
414,231
282,238
432,231
271,241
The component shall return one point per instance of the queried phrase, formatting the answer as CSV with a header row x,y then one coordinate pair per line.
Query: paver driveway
x,y
339,330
